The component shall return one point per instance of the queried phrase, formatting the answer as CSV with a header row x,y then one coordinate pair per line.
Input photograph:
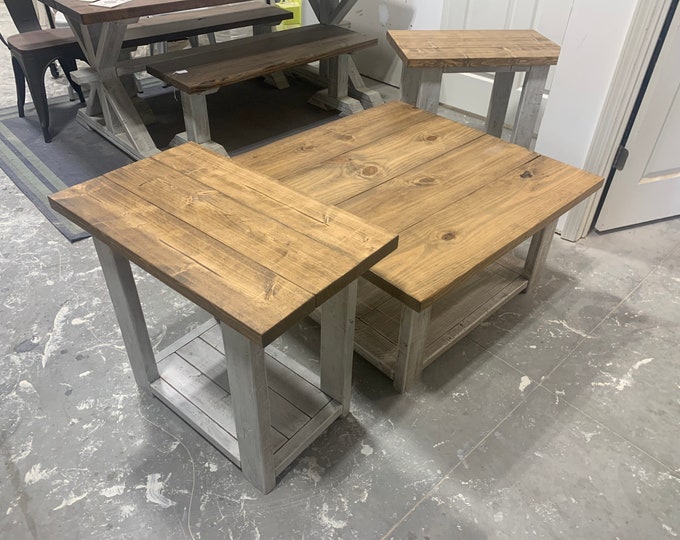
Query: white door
x,y
648,187
470,92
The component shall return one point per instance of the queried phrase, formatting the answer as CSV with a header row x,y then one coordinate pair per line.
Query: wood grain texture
x,y
458,201
86,13
250,251
222,64
169,26
472,48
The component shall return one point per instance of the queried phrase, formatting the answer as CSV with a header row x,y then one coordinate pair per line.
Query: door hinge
x,y
620,158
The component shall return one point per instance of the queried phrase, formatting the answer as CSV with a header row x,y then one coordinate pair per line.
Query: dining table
x,y
99,27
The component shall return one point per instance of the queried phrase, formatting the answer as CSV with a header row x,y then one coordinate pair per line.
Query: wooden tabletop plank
x,y
215,242
473,48
227,63
352,237
189,261
367,166
86,13
452,244
440,183
295,154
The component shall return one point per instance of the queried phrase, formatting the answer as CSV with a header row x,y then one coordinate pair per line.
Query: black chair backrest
x,y
23,14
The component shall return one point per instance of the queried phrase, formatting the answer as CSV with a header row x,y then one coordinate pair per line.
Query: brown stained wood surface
x,y
255,254
169,26
456,206
89,14
473,48
214,66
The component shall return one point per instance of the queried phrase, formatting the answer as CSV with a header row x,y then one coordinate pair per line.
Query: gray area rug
x,y
242,117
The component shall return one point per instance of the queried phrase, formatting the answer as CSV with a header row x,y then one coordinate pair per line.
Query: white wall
x,y
375,18
590,53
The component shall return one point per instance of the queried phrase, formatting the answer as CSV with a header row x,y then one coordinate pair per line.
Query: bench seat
x,y
205,70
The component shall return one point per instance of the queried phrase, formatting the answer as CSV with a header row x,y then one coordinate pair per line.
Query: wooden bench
x,y
258,257
460,201
427,54
185,24
207,69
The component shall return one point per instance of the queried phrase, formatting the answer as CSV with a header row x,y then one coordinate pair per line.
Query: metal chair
x,y
33,50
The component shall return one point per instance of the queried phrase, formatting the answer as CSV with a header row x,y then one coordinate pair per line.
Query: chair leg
x,y
67,66
20,83
36,84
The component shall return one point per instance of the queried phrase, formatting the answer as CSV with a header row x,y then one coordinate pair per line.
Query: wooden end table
x,y
259,257
427,54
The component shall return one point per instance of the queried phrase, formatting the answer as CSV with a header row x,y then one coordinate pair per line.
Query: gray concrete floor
x,y
557,418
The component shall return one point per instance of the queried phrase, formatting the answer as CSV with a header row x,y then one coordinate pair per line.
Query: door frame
x,y
638,48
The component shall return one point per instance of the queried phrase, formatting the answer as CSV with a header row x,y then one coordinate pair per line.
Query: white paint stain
x,y
331,522
669,530
523,383
25,451
211,467
84,374
77,321
588,436
625,381
366,449
154,488
574,330
25,385
37,473
85,404
113,491
498,517
461,498
72,499
56,334
127,510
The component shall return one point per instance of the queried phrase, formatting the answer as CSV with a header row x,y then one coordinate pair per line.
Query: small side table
x,y
259,257
427,54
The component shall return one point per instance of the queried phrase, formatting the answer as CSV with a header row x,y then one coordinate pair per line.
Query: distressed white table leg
x,y
411,349
196,122
337,345
529,105
421,87
250,402
336,96
125,300
358,89
536,257
498,105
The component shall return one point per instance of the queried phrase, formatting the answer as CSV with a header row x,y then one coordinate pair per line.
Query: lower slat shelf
x,y
193,383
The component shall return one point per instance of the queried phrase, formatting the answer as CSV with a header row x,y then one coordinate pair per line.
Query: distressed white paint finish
x,y
471,92
376,18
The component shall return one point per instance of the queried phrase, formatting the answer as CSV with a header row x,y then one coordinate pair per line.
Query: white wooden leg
x,y
529,105
421,87
411,348
358,89
337,345
123,292
250,401
498,106
195,110
336,96
536,257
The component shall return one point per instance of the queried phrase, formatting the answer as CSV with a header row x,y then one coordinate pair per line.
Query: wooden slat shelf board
x,y
194,384
456,314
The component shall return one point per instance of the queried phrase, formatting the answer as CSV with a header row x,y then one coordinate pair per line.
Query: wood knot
x,y
307,147
425,181
526,174
347,137
369,170
447,237
431,138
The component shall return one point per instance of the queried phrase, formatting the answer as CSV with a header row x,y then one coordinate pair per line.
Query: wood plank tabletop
x,y
247,249
473,48
458,198
87,13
